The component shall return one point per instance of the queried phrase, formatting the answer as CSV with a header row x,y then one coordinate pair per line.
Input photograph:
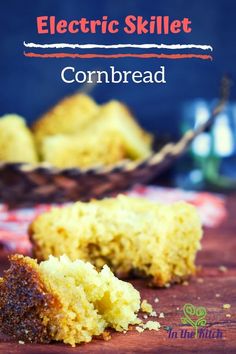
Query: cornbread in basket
x,y
80,150
77,140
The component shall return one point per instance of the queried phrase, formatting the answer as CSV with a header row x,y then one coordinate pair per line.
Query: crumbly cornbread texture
x,y
159,241
63,300
16,140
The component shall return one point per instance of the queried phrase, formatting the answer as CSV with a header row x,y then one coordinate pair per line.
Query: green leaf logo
x,y
195,316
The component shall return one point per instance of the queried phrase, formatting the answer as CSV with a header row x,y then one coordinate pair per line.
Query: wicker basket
x,y
22,184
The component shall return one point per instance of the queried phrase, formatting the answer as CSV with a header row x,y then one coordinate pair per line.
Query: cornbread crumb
x,y
185,283
156,300
106,335
152,325
228,315
159,241
198,298
139,329
21,342
153,314
149,325
223,269
161,315
177,308
146,307
145,316
64,300
217,295
226,306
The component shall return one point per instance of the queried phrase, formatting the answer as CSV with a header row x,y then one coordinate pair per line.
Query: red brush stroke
x,y
114,56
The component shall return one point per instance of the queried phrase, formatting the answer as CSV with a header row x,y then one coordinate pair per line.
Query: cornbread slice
x,y
63,300
70,115
78,132
16,140
83,151
112,136
115,119
159,241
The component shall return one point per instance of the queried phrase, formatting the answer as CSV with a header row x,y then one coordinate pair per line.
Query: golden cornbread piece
x,y
63,300
115,119
16,140
159,241
146,307
83,151
112,136
69,116
90,127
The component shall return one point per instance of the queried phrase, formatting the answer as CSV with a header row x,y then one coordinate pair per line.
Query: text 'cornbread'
x,y
159,241
63,300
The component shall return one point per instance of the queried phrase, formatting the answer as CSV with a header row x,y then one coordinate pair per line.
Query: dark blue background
x,y
30,86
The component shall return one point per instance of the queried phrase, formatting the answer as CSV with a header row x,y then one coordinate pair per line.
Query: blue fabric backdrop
x,y
31,86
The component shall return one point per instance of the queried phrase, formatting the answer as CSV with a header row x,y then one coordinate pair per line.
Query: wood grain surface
x,y
211,288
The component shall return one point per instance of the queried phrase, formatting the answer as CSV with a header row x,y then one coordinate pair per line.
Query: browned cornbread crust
x,y
24,302
64,301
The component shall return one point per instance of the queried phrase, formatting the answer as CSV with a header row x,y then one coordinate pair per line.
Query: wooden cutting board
x,y
213,287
